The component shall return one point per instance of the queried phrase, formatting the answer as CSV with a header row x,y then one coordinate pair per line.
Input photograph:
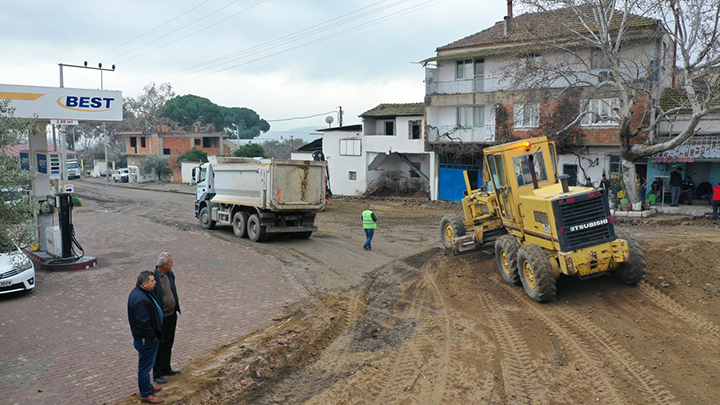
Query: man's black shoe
x,y
160,380
173,372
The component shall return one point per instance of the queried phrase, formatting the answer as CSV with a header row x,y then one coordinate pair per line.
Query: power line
x,y
239,55
147,32
200,30
176,30
301,118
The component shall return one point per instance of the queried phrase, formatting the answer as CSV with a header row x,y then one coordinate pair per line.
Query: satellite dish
x,y
329,119
430,77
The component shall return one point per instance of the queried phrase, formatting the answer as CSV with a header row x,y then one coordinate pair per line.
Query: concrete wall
x,y
340,166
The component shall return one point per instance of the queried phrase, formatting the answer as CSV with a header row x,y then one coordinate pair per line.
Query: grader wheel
x,y
632,272
506,251
451,226
536,273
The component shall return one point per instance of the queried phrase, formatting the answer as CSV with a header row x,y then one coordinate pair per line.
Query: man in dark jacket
x,y
145,318
675,186
166,295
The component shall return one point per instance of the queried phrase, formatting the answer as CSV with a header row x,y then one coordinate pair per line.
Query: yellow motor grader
x,y
541,227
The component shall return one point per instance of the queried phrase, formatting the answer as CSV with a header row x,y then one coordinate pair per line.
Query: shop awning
x,y
692,150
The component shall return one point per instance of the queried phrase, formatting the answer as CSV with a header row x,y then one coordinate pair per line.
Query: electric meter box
x,y
53,241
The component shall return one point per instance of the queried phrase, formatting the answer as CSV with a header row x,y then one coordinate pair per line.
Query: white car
x,y
121,175
17,272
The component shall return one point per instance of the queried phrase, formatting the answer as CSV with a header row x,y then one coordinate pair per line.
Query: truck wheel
x,y
255,231
240,221
205,221
506,252
536,273
631,272
451,226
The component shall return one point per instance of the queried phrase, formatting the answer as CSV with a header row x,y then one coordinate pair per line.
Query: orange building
x,y
172,144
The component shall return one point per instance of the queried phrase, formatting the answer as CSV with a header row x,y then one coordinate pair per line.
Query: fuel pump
x,y
68,259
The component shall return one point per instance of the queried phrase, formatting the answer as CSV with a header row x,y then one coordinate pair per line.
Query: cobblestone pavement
x,y
68,341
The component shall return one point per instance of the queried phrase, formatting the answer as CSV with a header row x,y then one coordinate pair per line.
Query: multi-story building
x,y
386,151
172,144
473,99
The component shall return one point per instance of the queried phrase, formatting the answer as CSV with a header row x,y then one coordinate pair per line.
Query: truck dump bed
x,y
275,185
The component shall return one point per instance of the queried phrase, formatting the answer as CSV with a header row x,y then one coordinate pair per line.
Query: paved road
x,y
68,341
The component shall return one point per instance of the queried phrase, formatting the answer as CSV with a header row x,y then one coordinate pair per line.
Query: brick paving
x,y
68,341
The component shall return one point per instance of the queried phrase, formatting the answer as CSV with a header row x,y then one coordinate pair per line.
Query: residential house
x,y
472,103
698,157
386,152
172,144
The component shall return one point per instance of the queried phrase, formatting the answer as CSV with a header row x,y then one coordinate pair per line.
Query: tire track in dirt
x,y
589,361
652,389
697,322
515,364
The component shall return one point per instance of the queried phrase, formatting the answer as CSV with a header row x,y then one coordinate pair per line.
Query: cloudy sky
x,y
281,58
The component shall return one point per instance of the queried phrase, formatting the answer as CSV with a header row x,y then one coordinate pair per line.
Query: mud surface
x,y
409,323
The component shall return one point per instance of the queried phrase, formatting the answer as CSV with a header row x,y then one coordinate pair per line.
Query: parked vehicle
x,y
541,227
121,175
73,169
260,197
17,272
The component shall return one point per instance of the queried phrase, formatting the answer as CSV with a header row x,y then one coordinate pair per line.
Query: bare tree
x,y
143,113
623,55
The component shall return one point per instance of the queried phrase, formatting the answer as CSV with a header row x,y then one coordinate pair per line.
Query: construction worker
x,y
369,224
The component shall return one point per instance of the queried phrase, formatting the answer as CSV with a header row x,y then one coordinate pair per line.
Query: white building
x,y
386,151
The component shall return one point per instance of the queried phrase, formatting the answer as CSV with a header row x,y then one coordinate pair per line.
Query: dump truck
x,y
541,227
259,197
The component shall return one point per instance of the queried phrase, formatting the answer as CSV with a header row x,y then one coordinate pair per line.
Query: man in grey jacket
x,y
166,295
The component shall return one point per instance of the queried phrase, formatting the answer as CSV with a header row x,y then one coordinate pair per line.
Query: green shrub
x,y
77,202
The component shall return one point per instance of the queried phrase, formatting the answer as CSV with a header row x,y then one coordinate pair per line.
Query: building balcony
x,y
476,85
455,133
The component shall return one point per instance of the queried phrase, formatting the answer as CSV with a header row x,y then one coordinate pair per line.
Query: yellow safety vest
x,y
368,222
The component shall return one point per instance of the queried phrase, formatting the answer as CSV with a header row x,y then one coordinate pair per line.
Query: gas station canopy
x,y
62,103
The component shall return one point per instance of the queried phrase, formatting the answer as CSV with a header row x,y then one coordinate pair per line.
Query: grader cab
x,y
541,227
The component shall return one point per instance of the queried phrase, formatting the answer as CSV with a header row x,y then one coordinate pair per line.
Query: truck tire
x,y
506,252
240,220
632,272
255,230
451,226
536,273
205,221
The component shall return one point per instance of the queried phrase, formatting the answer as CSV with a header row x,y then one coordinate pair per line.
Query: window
x,y
527,115
531,60
414,129
350,147
615,163
166,151
133,142
522,165
463,118
203,175
467,69
602,112
414,173
352,175
479,116
389,127
142,142
198,141
205,142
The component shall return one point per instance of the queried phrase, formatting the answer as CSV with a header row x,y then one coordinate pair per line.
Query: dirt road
x,y
425,327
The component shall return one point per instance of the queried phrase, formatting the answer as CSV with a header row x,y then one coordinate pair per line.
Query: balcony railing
x,y
630,74
454,133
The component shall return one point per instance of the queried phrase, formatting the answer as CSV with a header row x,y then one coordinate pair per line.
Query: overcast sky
x,y
281,58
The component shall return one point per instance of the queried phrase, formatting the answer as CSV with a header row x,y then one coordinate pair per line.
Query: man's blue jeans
x,y
147,350
369,233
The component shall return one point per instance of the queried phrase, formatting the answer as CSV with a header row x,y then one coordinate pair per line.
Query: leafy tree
x,y
16,214
157,163
246,123
593,45
250,150
190,109
194,155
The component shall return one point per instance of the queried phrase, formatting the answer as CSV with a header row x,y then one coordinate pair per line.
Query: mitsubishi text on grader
x,y
542,228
